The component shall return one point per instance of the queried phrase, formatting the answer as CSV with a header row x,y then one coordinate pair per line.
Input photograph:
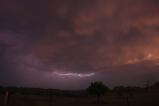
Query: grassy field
x,y
140,99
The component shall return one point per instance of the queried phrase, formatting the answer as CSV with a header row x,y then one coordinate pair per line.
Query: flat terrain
x,y
140,99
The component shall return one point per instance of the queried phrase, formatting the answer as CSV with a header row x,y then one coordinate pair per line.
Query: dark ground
x,y
143,98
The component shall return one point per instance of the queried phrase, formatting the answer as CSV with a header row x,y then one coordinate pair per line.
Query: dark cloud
x,y
77,36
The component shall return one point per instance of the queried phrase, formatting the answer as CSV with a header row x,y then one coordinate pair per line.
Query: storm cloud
x,y
106,37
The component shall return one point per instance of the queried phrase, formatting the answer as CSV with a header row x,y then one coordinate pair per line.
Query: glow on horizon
x,y
69,74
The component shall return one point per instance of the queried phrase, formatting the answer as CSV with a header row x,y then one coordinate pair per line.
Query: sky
x,y
67,44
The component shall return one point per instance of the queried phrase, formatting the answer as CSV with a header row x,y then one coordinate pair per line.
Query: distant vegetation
x,y
96,92
98,89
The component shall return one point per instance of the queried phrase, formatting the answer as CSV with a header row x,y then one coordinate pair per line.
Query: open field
x,y
140,99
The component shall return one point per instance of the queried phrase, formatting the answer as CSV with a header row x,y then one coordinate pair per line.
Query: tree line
x,y
96,89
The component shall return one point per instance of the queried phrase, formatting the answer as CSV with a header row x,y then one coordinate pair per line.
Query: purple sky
x,y
67,44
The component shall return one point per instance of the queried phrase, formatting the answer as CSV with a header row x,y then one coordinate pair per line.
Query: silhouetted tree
x,y
97,89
